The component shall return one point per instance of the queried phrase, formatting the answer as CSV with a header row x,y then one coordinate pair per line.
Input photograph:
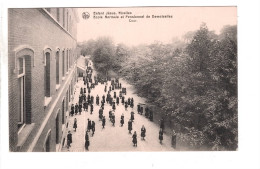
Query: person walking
x,y
132,116
122,120
69,139
97,100
126,105
103,98
91,108
123,99
80,108
89,125
113,119
75,124
130,126
86,140
161,135
114,95
85,106
162,124
100,114
135,139
93,128
76,108
103,121
143,131
117,100
72,110
174,139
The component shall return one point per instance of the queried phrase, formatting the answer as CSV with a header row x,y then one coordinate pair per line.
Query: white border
x,y
248,154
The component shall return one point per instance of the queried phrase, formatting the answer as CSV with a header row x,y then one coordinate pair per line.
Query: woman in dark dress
x,y
143,131
76,108
135,139
161,135
132,116
80,108
86,141
130,125
89,125
91,109
85,106
72,110
103,121
69,139
122,121
93,128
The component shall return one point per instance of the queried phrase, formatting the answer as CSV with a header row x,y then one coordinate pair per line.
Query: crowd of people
x,y
86,102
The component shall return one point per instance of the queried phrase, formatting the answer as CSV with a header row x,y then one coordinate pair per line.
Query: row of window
x,y
24,63
63,59
62,16
64,108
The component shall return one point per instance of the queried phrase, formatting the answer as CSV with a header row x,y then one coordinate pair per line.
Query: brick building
x,y
42,74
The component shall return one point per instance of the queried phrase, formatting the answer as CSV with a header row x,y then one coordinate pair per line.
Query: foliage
x,y
194,83
195,86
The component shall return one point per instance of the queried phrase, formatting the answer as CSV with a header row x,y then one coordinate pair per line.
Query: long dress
x,y
134,139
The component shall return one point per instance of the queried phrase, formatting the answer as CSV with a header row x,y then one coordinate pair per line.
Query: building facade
x,y
42,75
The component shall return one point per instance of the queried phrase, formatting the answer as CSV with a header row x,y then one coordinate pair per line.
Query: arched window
x,y
57,125
63,16
67,20
47,72
67,63
58,14
24,58
63,63
57,67
63,111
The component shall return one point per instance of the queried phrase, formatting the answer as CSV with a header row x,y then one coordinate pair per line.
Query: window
x,y
63,17
23,67
47,79
63,111
67,64
67,21
58,14
57,129
57,67
69,94
63,63
21,80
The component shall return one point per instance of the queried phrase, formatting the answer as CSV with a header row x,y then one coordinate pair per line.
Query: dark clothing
x,y
130,126
117,100
69,139
86,141
91,108
93,128
134,139
122,121
132,116
76,109
143,131
174,141
75,125
80,108
89,125
103,122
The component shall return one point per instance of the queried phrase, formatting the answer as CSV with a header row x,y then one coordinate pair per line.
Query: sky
x,y
147,30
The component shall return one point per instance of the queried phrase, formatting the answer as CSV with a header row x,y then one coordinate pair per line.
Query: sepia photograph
x,y
122,79
129,84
